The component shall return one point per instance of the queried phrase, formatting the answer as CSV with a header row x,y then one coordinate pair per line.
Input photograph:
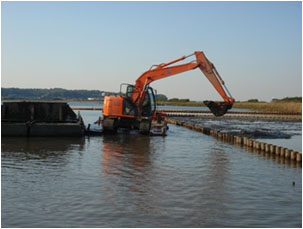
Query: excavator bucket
x,y
217,108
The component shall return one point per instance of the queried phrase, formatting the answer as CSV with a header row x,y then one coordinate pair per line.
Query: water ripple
x,y
186,179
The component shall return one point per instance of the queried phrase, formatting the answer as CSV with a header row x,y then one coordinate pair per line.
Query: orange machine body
x,y
130,110
113,107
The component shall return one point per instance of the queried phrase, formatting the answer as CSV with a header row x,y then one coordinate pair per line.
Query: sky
x,y
255,46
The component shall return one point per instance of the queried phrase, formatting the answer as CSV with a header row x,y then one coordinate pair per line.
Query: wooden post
x,y
293,155
287,153
282,152
272,148
299,157
262,146
278,150
267,148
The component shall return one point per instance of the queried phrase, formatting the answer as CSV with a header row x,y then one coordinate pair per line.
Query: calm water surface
x,y
186,179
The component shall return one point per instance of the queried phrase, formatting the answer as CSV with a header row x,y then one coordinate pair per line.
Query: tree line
x,y
57,93
53,93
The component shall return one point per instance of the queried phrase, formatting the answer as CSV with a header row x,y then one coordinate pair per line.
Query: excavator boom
x,y
165,70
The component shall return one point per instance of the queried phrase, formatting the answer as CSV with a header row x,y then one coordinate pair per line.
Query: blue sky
x,y
255,46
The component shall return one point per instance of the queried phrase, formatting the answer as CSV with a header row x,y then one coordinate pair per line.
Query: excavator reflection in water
x,y
136,107
116,147
126,162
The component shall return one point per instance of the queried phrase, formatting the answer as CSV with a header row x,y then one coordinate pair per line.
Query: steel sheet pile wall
x,y
246,142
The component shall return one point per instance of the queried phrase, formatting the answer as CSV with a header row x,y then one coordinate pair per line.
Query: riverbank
x,y
287,107
290,107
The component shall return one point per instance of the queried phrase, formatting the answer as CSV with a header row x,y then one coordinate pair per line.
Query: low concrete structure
x,y
40,118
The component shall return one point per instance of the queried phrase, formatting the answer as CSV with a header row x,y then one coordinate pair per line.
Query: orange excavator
x,y
135,108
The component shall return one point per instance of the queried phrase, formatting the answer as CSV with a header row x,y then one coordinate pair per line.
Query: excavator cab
x,y
148,106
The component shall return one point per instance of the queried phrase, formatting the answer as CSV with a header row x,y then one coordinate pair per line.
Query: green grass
x,y
280,106
291,107
181,103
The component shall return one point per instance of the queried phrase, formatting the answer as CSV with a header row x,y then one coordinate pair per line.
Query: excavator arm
x,y
161,71
211,73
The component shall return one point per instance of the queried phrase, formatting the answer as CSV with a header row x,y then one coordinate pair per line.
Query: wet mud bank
x,y
245,133
241,116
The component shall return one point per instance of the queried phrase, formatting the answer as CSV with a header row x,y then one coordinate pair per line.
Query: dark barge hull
x,y
41,129
40,119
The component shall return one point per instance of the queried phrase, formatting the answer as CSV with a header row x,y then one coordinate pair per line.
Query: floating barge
x,y
30,118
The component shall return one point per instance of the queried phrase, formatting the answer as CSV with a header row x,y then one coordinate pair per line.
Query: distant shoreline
x,y
279,106
58,100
